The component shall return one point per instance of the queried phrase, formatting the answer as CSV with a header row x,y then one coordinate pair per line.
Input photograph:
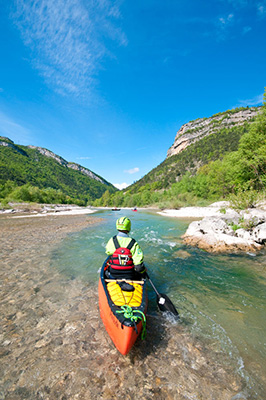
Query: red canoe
x,y
123,312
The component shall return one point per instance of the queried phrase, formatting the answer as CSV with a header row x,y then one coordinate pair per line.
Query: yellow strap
x,y
123,280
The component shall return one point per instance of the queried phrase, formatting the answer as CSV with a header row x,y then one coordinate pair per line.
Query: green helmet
x,y
123,224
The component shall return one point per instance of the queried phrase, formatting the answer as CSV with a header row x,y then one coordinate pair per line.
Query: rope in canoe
x,y
129,313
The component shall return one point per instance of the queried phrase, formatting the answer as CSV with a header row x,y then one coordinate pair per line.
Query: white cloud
x,y
84,158
255,101
223,25
226,20
131,171
66,38
246,29
261,9
121,186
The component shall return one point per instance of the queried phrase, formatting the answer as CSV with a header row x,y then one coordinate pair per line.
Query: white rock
x,y
259,233
255,216
246,235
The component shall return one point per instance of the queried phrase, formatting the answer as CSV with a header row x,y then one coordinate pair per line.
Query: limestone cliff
x,y
67,164
196,130
4,141
8,143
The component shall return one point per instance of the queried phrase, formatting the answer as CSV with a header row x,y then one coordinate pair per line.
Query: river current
x,y
220,298
53,342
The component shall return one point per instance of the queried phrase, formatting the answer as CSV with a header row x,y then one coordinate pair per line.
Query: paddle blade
x,y
165,304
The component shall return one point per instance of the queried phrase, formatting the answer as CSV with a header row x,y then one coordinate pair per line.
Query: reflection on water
x,y
54,345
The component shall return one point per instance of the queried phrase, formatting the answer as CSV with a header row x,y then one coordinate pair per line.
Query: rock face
x,y
62,161
9,143
48,153
4,141
230,232
196,130
84,171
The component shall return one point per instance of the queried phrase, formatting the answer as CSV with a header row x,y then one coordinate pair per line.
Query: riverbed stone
x,y
183,254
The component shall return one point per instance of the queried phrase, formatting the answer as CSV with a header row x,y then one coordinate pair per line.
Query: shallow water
x,y
54,345
221,298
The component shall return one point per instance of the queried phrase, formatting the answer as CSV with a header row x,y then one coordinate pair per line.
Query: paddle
x,y
163,301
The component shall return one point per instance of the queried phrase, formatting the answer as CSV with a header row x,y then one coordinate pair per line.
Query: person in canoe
x,y
126,256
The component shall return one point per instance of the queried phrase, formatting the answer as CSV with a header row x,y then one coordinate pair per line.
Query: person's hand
x,y
140,268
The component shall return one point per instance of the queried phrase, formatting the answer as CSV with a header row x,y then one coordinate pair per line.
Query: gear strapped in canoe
x,y
129,313
119,297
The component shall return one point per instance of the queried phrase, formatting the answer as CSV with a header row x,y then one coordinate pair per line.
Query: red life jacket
x,y
122,257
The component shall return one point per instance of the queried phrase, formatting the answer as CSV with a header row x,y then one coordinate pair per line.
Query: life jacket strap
x,y
129,246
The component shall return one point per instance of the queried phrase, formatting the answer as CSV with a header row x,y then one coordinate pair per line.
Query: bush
x,y
4,204
245,198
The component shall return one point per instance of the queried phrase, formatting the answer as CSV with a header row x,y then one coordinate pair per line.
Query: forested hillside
x,y
35,174
228,163
210,148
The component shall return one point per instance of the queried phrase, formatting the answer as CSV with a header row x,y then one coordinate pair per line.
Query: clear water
x,y
221,298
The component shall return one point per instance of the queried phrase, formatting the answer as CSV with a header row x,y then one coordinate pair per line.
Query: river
x,y
61,350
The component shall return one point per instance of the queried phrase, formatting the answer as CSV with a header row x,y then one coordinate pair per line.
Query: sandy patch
x,y
26,210
198,212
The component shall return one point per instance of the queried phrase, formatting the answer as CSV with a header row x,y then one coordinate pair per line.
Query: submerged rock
x,y
182,254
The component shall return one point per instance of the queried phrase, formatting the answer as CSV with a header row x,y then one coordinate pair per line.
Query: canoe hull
x,y
122,335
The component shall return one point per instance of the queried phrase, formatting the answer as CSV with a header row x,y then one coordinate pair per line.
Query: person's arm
x,y
138,258
110,247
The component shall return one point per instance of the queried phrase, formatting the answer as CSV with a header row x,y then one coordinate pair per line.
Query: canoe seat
x,y
121,298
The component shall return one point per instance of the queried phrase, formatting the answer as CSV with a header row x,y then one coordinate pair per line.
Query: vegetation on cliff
x,y
28,175
230,163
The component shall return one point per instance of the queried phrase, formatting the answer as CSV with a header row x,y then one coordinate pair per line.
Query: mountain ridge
x,y
43,169
4,141
197,143
197,129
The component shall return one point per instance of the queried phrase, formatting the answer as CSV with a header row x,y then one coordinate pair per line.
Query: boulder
x,y
259,233
215,234
243,234
209,225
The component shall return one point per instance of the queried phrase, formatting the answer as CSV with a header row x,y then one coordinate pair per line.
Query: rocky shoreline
x,y
42,210
216,228
222,229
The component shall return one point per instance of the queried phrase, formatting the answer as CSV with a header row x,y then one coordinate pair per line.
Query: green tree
x,y
106,199
252,152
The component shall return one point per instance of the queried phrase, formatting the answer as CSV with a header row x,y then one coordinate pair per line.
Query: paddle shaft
x,y
154,288
163,301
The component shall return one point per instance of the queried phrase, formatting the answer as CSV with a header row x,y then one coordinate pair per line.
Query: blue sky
x,y
107,84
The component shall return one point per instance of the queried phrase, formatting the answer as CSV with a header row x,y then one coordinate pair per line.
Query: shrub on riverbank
x,y
26,193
